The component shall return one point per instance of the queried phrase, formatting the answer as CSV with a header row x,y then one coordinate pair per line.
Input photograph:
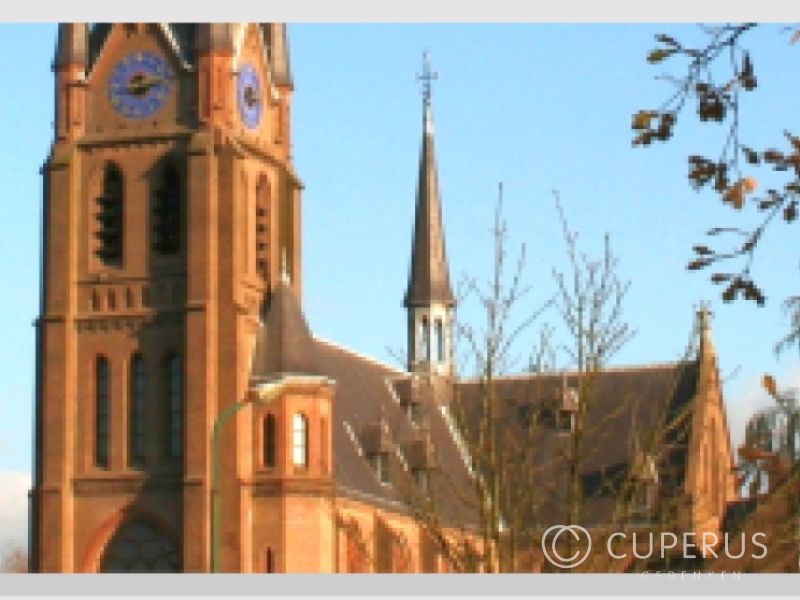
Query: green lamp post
x,y
266,394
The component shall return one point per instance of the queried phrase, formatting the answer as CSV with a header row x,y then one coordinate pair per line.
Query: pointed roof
x,y
429,279
275,35
283,343
72,47
215,36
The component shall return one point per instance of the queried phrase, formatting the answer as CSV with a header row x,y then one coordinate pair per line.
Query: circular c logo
x,y
550,541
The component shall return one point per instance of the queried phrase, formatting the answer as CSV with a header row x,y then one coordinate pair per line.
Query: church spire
x,y
429,298
429,280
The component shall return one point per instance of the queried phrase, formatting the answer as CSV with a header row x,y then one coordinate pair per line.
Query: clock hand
x,y
140,84
250,97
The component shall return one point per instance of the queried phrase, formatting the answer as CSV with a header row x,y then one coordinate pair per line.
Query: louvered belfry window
x,y
167,212
109,229
262,227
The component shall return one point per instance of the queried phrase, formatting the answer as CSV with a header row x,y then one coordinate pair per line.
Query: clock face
x,y
249,96
139,85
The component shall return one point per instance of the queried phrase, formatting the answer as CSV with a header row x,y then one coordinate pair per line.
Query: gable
x,y
110,47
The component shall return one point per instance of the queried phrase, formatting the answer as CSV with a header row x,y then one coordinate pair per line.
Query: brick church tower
x,y
170,204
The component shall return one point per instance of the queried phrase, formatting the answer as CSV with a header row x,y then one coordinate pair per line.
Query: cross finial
x,y
704,316
426,77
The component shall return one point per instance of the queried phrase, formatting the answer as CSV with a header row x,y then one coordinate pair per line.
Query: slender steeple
x,y
429,280
429,298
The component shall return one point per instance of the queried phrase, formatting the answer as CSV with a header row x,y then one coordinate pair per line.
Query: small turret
x,y
72,48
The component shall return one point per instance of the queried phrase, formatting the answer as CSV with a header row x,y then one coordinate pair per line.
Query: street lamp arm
x,y
273,388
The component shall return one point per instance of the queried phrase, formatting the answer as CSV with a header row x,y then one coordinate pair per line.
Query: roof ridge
x,y
359,355
617,369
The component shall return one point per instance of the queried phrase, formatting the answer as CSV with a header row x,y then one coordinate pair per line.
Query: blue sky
x,y
537,107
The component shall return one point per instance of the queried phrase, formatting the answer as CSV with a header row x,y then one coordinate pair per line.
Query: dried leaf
x,y
735,195
750,155
666,39
698,264
659,54
790,212
768,383
794,140
641,120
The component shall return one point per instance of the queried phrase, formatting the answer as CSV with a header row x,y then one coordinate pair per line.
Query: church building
x,y
187,419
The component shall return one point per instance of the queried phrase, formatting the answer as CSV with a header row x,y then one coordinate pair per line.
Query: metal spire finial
x,y
704,315
427,77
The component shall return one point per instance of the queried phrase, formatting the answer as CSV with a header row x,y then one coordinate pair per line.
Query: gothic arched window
x,y
140,547
173,430
137,422
269,440
102,413
167,212
425,339
109,218
269,561
299,440
439,335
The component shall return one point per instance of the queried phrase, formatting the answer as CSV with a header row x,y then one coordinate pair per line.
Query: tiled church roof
x,y
372,400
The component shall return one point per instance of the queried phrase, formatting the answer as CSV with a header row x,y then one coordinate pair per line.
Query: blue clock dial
x,y
139,85
249,96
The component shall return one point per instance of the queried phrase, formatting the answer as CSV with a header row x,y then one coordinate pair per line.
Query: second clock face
x,y
139,85
249,96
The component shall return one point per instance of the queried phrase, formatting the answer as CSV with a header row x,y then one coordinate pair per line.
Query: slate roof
x,y
372,414
283,342
429,280
417,421
624,406
370,418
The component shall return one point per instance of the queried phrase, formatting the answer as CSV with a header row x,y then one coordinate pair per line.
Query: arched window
x,y
269,561
425,339
299,440
137,422
101,411
269,440
439,335
262,227
173,377
139,546
109,218
167,212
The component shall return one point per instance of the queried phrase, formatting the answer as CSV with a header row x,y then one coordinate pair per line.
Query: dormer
x,y
376,442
